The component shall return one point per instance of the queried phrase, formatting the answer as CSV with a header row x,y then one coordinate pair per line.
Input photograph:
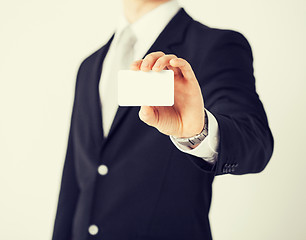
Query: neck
x,y
135,9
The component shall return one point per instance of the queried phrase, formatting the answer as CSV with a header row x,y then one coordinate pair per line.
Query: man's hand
x,y
186,117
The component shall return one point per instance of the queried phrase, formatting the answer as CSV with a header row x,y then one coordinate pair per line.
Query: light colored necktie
x,y
123,58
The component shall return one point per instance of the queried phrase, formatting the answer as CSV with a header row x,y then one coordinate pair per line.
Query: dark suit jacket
x,y
153,191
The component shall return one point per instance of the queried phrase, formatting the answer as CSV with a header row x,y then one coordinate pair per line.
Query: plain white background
x,y
41,46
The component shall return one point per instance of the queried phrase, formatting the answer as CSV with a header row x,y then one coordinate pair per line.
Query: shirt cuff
x,y
208,148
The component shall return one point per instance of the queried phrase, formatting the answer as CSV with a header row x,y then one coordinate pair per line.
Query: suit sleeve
x,y
69,190
228,88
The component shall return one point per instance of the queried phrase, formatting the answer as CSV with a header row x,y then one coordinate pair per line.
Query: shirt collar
x,y
149,26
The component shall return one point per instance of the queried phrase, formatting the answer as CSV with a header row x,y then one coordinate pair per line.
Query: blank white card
x,y
137,88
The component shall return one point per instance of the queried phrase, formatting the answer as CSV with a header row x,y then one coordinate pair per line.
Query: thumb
x,y
147,115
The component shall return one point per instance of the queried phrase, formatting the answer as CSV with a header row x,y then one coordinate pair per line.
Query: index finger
x,y
184,66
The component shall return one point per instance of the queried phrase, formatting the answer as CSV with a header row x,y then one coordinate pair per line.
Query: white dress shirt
x,y
147,29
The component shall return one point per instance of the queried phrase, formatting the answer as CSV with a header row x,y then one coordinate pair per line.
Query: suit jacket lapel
x,y
172,34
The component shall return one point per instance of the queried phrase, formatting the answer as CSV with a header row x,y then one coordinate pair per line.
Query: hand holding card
x,y
137,88
186,117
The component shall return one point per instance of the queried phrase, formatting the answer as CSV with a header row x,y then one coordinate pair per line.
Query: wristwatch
x,y
195,139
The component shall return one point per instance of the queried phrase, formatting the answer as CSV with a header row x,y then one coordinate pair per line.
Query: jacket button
x,y
102,169
93,229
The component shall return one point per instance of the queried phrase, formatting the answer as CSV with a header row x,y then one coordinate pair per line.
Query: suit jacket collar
x,y
173,34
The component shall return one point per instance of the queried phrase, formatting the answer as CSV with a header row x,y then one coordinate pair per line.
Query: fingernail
x,y
156,66
145,64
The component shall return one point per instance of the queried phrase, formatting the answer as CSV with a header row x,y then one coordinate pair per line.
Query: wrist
x,y
195,140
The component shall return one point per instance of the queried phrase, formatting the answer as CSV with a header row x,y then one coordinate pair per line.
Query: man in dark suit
x,y
135,183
